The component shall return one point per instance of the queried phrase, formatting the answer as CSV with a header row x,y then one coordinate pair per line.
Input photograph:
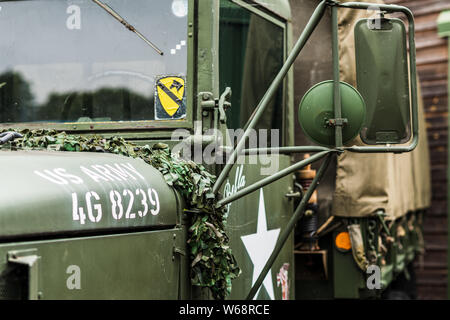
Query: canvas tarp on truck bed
x,y
397,183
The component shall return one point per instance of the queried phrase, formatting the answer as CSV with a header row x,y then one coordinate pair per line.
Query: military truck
x,y
89,89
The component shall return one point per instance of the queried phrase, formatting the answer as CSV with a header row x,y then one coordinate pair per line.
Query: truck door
x,y
252,47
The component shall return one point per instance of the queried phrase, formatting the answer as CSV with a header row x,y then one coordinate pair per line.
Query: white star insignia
x,y
259,247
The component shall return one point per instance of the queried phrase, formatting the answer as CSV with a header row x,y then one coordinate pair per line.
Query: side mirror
x,y
384,105
383,80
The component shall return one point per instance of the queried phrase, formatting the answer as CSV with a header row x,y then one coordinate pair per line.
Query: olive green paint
x,y
316,110
126,266
347,277
44,204
279,7
243,219
443,24
118,260
382,77
412,79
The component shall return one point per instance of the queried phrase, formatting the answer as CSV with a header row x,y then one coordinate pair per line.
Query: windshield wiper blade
x,y
112,12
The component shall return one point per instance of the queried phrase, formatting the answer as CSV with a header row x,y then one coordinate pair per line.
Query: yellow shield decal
x,y
170,93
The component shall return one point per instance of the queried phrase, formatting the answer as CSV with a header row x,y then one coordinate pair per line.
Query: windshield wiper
x,y
126,24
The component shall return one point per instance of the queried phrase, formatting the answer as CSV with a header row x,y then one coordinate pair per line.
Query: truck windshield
x,y
73,61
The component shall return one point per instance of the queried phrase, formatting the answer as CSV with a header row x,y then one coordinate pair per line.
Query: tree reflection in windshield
x,y
19,105
15,97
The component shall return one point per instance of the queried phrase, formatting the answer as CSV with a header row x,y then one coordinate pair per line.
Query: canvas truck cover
x,y
396,183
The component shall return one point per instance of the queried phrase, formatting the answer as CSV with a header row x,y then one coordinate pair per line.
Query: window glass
x,y
69,61
251,55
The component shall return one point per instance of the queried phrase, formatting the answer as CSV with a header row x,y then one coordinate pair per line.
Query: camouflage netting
x,y
212,262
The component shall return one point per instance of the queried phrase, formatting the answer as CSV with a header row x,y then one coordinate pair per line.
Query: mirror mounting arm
x,y
337,122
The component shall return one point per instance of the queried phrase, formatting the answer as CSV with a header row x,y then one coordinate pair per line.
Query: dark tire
x,y
402,288
396,295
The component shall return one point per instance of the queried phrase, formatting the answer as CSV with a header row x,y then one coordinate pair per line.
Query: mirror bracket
x,y
337,122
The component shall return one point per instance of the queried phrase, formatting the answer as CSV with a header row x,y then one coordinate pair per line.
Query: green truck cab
x,y
187,74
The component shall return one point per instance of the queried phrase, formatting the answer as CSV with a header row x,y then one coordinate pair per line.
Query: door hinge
x,y
208,103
